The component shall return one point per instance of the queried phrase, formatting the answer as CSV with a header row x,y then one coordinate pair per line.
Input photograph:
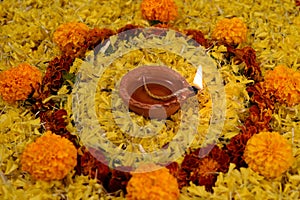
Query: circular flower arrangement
x,y
255,46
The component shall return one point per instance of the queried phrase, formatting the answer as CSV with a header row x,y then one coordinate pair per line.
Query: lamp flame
x,y
198,78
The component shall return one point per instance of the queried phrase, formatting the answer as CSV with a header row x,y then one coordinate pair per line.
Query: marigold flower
x,y
119,179
201,166
248,56
198,36
97,35
230,31
53,78
260,96
159,10
50,157
205,173
237,146
94,164
153,185
269,154
128,27
54,120
284,83
19,82
259,117
178,173
71,38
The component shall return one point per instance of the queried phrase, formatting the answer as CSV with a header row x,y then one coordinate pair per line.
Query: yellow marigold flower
x,y
284,83
269,154
18,82
71,37
153,185
50,157
160,10
230,31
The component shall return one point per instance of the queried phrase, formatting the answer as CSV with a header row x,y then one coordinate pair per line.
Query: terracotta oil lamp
x,y
155,91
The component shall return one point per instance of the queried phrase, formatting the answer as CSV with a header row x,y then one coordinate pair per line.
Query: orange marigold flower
x,y
71,38
230,31
269,154
284,83
19,82
152,185
159,10
50,157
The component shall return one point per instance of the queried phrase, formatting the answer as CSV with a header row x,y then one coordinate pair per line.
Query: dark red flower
x,y
119,179
250,129
182,178
259,118
236,147
178,173
202,166
260,113
199,37
93,165
128,27
55,121
53,78
221,157
247,55
205,173
97,35
173,168
92,162
191,161
259,95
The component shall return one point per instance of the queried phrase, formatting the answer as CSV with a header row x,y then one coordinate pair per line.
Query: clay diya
x,y
154,91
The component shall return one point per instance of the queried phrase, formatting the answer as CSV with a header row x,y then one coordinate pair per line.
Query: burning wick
x,y
189,91
198,79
